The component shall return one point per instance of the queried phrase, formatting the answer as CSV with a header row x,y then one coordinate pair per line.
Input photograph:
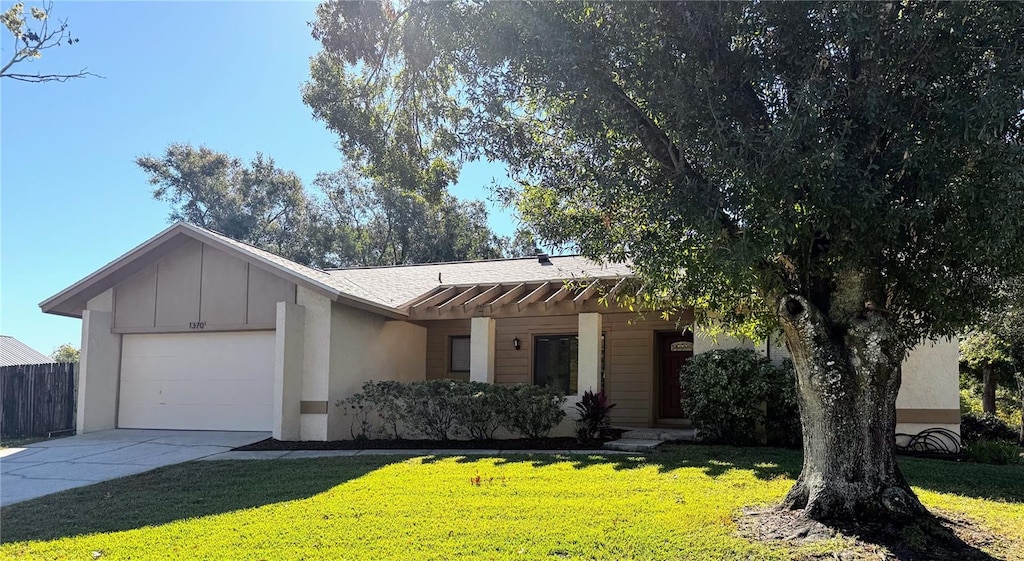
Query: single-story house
x,y
195,330
15,353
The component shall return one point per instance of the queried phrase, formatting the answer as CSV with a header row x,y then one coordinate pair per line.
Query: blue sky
x,y
224,74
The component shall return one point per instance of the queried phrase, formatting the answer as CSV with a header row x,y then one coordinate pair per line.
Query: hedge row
x,y
442,409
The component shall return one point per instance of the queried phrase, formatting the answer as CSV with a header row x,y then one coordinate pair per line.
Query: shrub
x,y
974,428
360,409
479,412
532,411
432,407
439,409
996,452
732,394
594,418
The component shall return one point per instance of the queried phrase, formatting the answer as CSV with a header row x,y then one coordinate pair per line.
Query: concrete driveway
x,y
55,465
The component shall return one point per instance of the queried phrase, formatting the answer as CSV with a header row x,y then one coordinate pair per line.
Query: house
x,y
195,330
15,353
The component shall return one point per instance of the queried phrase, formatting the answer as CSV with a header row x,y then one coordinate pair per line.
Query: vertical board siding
x,y
629,366
197,283
37,399
438,333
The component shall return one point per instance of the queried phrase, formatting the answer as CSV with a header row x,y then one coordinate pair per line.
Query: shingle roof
x,y
14,352
379,289
395,286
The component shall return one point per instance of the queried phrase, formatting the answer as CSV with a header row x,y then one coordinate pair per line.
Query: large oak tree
x,y
849,172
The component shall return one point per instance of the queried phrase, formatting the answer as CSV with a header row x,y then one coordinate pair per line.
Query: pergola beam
x,y
533,296
586,294
505,298
437,298
483,297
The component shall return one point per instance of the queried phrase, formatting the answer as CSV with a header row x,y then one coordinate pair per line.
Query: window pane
x,y
459,354
555,362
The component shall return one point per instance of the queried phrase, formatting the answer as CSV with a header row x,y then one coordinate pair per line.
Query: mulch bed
x,y
554,443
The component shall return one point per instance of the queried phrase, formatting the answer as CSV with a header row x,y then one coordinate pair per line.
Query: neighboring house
x,y
15,353
194,330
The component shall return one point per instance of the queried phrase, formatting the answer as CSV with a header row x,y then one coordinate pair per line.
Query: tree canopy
x,y
346,220
764,148
849,172
65,353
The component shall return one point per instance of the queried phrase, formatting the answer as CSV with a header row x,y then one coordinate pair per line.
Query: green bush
x,y
440,409
432,407
974,428
479,413
360,410
997,452
532,411
731,395
388,399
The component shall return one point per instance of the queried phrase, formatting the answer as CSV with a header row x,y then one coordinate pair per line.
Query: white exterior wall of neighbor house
x,y
366,346
99,367
930,392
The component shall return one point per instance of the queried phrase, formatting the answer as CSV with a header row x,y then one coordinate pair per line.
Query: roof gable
x,y
72,300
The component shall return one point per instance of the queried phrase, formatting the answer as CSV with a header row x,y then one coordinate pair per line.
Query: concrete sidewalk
x,y
298,454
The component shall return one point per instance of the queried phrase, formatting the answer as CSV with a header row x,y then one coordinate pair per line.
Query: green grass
x,y
676,505
19,442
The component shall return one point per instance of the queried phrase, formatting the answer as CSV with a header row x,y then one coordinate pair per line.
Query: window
x,y
458,354
555,362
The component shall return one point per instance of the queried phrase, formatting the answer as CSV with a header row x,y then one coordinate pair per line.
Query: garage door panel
x,y
201,417
186,368
182,392
197,381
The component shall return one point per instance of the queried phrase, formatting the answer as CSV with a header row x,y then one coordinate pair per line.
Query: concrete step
x,y
633,444
663,435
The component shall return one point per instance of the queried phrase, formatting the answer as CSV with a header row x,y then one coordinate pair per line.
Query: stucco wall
x,y
98,373
365,346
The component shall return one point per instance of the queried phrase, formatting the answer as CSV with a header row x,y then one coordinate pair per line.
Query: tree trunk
x,y
847,380
988,392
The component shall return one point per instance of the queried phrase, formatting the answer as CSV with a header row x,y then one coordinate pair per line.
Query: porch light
x,y
515,343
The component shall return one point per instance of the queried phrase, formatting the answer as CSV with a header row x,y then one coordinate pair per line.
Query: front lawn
x,y
678,504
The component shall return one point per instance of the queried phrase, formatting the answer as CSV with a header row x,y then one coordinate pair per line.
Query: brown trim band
x,y
313,407
926,416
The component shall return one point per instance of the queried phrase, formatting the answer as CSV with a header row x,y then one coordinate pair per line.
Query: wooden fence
x,y
37,399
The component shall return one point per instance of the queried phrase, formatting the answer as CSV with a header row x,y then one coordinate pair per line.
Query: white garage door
x,y
197,381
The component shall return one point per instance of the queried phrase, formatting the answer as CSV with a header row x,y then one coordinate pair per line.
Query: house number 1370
x,y
197,325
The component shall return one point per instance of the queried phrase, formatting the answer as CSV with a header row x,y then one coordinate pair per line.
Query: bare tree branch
x,y
29,43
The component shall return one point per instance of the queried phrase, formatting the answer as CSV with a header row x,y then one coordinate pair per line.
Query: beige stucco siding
x,y
364,347
198,287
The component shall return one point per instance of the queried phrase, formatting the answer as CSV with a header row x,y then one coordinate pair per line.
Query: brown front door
x,y
674,350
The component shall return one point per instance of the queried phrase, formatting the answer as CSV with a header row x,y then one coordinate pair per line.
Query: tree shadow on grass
x,y
765,463
177,492
1001,483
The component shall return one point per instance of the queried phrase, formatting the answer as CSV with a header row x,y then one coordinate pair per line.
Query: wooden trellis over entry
x,y
515,299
